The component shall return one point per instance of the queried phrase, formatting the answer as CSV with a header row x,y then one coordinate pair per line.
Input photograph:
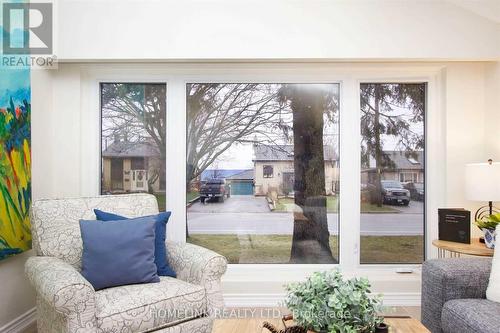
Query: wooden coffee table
x,y
254,325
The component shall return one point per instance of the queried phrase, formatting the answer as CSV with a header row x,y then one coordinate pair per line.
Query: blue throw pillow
x,y
161,233
117,253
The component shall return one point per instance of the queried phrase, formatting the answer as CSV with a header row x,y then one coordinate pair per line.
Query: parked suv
x,y
416,190
214,188
394,193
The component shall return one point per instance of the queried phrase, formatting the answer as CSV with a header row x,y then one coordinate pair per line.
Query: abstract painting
x,y
15,161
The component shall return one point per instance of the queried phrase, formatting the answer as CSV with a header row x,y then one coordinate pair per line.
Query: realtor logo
x,y
27,28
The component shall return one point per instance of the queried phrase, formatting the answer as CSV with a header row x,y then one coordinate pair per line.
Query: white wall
x,y
465,129
492,118
273,29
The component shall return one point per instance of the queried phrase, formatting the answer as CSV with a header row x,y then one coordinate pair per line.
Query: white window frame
x,y
414,176
348,75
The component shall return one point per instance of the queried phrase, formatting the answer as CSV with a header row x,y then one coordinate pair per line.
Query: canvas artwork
x,y
15,161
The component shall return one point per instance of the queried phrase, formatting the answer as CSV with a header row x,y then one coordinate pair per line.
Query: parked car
x,y
394,193
214,188
416,190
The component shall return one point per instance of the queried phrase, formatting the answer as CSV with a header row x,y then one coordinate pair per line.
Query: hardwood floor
x,y
252,323
250,320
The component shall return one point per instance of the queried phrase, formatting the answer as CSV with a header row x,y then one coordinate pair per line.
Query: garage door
x,y
241,188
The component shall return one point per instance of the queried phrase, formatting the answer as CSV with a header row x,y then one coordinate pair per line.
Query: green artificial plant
x,y
326,302
488,222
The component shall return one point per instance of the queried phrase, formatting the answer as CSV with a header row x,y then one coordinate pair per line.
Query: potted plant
x,y
488,225
326,302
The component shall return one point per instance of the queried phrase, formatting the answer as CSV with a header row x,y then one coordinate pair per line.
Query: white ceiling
x,y
489,9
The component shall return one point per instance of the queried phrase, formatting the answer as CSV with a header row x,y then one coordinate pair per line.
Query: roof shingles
x,y
285,153
131,149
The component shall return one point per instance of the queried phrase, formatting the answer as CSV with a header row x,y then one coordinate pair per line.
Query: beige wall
x,y
16,295
264,185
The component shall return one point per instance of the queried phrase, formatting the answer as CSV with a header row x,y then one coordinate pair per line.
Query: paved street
x,y
282,223
251,215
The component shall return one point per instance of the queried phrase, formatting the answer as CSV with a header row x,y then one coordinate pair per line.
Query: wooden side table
x,y
455,250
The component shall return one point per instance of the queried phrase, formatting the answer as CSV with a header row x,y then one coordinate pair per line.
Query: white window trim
x,y
349,75
412,173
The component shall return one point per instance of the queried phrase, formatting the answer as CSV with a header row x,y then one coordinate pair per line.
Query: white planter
x,y
490,238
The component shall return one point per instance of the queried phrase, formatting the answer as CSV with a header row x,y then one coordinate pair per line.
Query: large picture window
x,y
262,171
133,138
392,172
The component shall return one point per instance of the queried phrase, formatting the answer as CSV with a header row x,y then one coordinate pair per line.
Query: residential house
x,y
132,167
242,183
404,167
274,170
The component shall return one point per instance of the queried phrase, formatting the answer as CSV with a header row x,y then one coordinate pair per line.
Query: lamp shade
x,y
482,181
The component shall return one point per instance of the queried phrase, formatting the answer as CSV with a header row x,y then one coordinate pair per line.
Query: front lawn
x,y
192,195
275,249
286,204
251,249
160,197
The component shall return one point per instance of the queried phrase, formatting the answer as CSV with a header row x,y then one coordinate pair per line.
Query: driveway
x,y
234,204
415,207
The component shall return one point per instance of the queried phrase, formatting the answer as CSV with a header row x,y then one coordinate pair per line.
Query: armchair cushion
x,y
117,253
145,307
161,220
471,316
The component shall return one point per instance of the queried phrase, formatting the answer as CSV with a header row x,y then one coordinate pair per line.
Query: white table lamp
x,y
482,183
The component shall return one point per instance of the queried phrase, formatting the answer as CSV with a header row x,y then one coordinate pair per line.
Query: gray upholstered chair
x,y
66,302
454,296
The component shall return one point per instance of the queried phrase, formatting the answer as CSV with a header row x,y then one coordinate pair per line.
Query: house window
x,y
392,141
268,171
133,138
407,177
235,129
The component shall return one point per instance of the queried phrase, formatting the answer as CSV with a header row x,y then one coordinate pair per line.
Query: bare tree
x,y
136,113
220,115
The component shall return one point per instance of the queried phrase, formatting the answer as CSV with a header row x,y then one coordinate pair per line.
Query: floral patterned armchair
x,y
66,302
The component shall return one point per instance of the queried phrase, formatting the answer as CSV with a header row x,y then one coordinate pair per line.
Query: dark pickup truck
x,y
214,188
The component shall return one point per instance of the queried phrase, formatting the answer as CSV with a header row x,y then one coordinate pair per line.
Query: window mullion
x,y
176,158
349,175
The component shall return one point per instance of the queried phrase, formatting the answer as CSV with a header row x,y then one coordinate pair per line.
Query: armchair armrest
x,y
195,264
63,288
447,279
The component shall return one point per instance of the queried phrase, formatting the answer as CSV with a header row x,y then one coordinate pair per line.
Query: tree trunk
x,y
310,231
378,148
